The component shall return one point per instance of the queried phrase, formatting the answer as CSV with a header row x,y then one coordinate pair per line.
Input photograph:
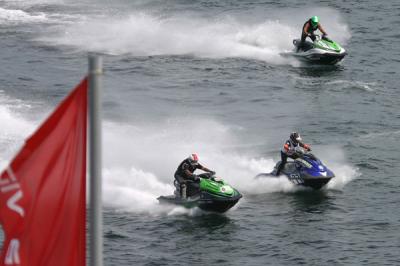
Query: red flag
x,y
43,191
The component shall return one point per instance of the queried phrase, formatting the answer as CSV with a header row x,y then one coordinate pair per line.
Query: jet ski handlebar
x,y
300,152
206,175
323,37
211,176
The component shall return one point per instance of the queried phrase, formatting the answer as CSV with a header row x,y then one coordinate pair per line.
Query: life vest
x,y
289,146
310,29
186,165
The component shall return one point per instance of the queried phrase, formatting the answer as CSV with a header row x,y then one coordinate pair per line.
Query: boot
x,y
280,167
183,191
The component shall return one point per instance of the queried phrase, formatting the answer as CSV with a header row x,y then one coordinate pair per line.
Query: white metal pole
x,y
95,208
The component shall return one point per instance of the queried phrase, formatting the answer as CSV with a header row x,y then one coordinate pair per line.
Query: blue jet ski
x,y
306,170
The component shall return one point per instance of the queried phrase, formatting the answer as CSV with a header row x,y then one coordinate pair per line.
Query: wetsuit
x,y
288,150
185,177
309,31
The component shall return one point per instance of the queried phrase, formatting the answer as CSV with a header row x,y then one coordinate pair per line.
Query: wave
x,y
146,160
139,161
154,29
335,159
148,155
14,128
31,3
143,34
355,85
15,17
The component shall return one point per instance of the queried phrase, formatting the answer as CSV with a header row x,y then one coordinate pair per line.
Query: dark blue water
x,y
208,77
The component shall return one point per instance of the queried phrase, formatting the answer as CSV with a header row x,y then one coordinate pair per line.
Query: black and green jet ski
x,y
321,51
209,194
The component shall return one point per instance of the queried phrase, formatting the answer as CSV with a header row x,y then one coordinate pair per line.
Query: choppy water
x,y
207,76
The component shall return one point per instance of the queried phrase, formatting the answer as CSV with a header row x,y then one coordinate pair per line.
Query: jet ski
x,y
321,51
210,194
306,170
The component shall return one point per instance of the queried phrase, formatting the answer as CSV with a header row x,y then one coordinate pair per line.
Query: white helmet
x,y
193,158
295,137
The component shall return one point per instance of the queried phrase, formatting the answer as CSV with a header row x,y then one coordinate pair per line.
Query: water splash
x,y
14,128
15,16
144,165
142,34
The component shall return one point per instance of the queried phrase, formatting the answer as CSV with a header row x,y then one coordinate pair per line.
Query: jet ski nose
x,y
226,190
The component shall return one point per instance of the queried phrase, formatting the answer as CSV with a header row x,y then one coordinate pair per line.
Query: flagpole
x,y
95,208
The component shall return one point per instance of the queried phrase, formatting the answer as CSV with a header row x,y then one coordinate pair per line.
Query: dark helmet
x,y
295,137
314,22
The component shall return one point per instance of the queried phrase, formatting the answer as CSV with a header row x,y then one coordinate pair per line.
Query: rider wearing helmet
x,y
309,27
289,148
184,174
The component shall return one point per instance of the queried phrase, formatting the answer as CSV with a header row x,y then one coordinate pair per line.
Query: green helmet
x,y
314,21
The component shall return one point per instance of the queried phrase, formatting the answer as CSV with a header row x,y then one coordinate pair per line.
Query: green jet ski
x,y
209,194
321,51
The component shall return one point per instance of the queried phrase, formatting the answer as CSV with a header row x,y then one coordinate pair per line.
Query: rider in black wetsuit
x,y
288,149
185,173
309,27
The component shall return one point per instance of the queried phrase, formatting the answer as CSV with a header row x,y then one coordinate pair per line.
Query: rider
x,y
289,148
309,27
185,173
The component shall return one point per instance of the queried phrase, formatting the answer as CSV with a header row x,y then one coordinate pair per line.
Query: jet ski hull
x,y
312,182
209,193
306,170
311,54
320,58
316,183
209,202
204,200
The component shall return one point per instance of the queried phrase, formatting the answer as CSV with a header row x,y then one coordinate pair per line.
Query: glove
x,y
325,37
307,147
212,173
217,179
